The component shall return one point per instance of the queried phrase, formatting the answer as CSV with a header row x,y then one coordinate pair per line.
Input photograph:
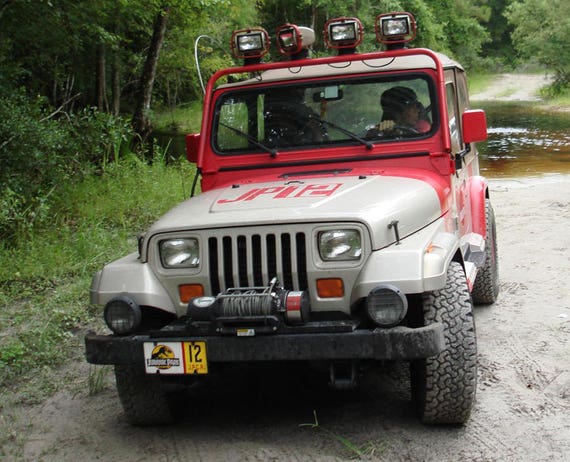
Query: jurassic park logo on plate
x,y
175,357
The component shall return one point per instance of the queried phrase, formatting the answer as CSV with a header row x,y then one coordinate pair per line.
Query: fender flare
x,y
478,192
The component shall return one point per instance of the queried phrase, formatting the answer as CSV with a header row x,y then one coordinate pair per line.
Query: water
x,y
524,141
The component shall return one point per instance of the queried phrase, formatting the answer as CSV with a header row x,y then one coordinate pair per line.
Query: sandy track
x,y
514,87
523,400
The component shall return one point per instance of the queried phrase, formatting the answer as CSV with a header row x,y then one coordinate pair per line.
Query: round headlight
x,y
386,305
180,253
340,244
122,315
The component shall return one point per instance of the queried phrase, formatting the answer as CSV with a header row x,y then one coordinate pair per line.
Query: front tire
x,y
144,399
443,386
486,287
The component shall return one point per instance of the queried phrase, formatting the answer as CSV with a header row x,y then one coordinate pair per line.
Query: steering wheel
x,y
403,130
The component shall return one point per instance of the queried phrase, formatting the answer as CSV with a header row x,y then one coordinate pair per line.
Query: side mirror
x,y
192,145
474,126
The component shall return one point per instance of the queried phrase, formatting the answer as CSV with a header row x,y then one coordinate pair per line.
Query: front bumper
x,y
379,344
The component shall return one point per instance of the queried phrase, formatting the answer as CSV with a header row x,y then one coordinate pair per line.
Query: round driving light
x,y
122,315
386,305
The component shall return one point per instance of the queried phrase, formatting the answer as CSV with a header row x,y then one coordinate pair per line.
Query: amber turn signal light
x,y
189,291
330,288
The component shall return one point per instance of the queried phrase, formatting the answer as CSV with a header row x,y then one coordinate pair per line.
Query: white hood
x,y
375,201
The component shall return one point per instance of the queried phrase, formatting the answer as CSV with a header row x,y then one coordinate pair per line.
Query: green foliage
x,y
542,31
40,152
44,278
498,49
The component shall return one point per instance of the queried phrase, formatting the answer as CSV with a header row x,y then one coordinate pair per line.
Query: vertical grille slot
x,y
286,261
214,266
271,256
257,260
301,261
242,261
228,267
253,260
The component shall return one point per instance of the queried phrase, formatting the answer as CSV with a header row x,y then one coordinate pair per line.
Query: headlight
x,y
340,244
180,253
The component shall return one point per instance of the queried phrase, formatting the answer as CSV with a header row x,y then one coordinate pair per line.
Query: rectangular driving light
x,y
250,43
395,28
343,33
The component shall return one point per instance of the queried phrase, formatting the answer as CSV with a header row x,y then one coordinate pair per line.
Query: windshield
x,y
301,115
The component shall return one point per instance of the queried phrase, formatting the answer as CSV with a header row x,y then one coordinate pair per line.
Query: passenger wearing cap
x,y
402,113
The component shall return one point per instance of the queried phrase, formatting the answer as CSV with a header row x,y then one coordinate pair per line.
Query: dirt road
x,y
514,87
523,402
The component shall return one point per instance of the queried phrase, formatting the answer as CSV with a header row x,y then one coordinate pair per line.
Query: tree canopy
x,y
70,70
541,30
82,53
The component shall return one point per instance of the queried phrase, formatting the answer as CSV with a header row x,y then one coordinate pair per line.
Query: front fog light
x,y
386,305
122,315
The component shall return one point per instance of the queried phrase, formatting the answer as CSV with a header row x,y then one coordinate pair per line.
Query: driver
x,y
401,113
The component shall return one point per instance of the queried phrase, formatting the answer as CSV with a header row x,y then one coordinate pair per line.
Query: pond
x,y
523,141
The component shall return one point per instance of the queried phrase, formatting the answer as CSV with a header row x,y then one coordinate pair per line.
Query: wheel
x,y
443,386
144,399
486,287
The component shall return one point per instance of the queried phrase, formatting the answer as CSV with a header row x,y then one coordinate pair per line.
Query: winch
x,y
252,303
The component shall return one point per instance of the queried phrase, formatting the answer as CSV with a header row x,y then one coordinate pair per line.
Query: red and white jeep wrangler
x,y
342,221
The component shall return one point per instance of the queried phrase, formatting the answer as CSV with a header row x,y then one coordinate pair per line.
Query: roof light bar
x,y
292,39
395,28
250,43
343,33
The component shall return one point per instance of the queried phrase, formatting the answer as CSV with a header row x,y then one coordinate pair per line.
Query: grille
x,y
239,260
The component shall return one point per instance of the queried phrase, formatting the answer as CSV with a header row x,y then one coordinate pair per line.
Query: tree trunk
x,y
101,79
116,83
141,122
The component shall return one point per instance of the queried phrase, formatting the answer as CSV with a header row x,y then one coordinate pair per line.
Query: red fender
x,y
477,194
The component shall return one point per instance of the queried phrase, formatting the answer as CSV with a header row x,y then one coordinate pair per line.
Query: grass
x,y
45,277
479,82
354,450
183,119
560,100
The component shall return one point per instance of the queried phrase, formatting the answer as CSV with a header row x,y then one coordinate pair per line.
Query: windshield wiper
x,y
354,136
272,152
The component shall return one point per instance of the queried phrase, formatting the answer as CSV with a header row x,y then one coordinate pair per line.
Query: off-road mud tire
x,y
144,399
443,386
486,287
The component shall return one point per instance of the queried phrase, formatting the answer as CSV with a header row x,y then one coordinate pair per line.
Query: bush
x,y
41,149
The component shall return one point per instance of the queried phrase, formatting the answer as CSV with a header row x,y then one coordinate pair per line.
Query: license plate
x,y
176,357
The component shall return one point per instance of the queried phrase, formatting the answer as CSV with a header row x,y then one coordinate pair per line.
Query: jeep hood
x,y
375,201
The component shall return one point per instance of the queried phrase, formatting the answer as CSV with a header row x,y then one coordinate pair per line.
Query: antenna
x,y
197,62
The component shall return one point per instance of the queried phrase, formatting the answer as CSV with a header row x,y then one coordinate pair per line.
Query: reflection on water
x,y
524,141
